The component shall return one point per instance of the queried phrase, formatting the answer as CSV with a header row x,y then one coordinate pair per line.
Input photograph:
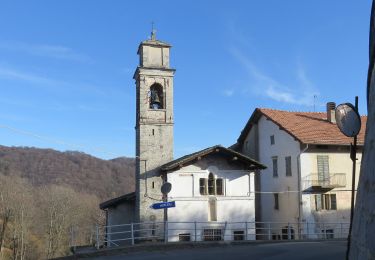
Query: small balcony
x,y
314,183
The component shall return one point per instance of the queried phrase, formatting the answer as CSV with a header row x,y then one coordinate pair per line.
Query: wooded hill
x,y
49,200
81,172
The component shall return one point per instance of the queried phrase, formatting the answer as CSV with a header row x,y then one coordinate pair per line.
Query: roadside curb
x,y
177,246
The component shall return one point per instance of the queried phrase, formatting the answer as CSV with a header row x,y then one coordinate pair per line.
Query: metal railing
x,y
130,234
333,180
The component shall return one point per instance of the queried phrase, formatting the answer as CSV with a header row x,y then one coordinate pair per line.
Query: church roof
x,y
305,127
115,201
253,164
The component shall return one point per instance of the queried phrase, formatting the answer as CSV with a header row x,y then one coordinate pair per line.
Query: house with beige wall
x,y
306,187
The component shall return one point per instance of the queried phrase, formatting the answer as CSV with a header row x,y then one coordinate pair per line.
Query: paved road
x,y
331,250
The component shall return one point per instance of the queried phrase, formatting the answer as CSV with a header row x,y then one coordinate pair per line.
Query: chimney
x,y
331,106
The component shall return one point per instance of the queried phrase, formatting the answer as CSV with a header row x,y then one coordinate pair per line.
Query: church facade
x,y
210,187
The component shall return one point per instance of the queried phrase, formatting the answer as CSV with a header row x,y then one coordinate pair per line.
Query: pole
x,y
97,237
195,231
353,156
132,231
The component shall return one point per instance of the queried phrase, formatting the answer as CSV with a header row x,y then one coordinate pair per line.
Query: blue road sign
x,y
163,205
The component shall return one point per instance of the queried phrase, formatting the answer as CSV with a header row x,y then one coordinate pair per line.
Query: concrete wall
x,y
237,203
122,214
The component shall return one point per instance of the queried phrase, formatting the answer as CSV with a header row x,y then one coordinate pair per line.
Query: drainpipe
x,y
299,190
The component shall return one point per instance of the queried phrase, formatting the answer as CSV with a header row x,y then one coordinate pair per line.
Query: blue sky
x,y
66,67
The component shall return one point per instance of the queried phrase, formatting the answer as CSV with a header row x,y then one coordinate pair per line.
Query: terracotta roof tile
x,y
306,127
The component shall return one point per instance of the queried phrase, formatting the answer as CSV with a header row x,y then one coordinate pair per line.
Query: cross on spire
x,y
153,31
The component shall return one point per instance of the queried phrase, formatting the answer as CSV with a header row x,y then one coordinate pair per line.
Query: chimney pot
x,y
331,106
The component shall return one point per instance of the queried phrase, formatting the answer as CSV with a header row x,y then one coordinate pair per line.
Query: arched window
x,y
211,184
156,97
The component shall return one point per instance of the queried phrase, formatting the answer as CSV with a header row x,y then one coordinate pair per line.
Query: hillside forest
x,y
49,200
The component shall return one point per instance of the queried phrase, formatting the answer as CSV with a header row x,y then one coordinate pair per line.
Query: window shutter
x,y
318,202
219,186
274,166
288,166
323,167
333,202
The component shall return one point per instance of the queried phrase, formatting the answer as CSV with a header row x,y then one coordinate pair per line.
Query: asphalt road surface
x,y
321,250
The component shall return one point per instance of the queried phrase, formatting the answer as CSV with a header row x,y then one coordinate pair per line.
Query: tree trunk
x,y
3,229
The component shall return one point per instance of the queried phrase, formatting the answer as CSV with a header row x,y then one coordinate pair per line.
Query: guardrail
x,y
130,234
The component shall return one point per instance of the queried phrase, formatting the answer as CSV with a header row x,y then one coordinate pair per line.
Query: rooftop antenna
x,y
153,32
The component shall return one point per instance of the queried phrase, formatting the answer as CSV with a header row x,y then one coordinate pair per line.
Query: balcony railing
x,y
315,183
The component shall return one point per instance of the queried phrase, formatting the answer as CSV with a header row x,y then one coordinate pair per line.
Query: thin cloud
x,y
24,76
275,90
228,92
50,83
44,50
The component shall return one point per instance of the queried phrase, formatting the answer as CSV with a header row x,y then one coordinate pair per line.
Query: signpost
x,y
163,205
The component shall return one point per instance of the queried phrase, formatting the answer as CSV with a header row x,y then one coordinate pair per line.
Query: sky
x,y
66,67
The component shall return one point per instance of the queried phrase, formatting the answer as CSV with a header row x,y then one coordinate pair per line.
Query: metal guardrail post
x,y
225,229
132,232
307,230
165,231
247,231
195,231
97,237
269,231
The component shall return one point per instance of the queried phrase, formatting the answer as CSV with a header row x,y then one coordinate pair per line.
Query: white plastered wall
x,y
236,205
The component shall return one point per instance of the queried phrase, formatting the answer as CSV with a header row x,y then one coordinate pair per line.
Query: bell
x,y
155,100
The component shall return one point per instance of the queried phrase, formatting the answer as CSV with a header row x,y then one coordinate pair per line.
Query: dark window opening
x,y
214,234
238,235
325,202
153,131
328,233
153,185
184,237
286,233
272,137
276,199
274,167
288,166
219,187
202,186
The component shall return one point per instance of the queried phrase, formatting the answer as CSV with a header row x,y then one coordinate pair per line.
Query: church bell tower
x,y
154,124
